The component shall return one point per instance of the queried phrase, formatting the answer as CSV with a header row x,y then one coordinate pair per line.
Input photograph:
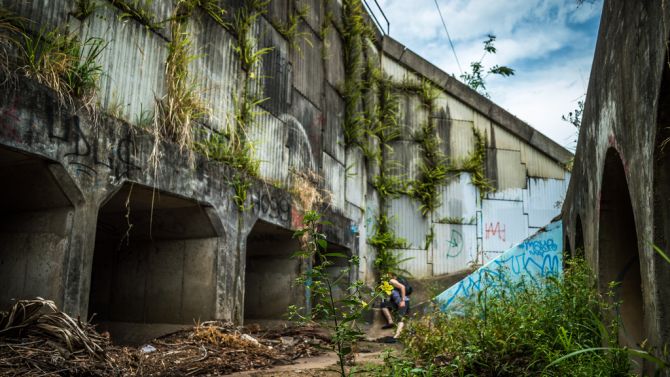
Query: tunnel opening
x,y
154,264
578,247
618,255
270,274
35,224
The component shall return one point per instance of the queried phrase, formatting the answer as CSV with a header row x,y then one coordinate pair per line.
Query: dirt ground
x,y
38,339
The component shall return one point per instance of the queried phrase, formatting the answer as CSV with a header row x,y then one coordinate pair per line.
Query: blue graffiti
x,y
534,259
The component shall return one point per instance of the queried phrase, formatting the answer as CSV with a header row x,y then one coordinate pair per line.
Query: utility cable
x,y
448,37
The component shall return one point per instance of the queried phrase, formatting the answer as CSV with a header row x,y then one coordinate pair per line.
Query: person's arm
x,y
400,287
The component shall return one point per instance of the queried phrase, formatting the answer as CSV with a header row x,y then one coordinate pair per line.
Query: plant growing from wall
x,y
289,29
182,106
139,11
475,164
84,8
354,30
63,62
385,242
476,79
338,312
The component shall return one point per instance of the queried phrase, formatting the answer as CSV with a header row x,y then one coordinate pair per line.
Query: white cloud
x,y
541,39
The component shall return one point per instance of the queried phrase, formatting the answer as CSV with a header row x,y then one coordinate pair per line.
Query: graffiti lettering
x,y
539,247
88,153
497,230
455,244
263,204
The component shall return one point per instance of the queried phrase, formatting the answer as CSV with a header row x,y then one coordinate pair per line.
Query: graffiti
x,y
495,230
540,247
263,204
537,257
8,119
455,244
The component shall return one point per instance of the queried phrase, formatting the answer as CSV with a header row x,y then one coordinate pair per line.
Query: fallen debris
x,y
37,338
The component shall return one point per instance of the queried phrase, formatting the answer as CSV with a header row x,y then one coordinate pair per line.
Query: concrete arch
x,y
618,255
154,265
37,202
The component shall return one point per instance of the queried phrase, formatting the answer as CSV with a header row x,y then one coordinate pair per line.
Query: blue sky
x,y
549,43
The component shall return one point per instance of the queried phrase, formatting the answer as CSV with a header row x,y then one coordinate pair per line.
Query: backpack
x,y
408,288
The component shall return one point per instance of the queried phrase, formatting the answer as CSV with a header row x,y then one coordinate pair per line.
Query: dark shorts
x,y
393,303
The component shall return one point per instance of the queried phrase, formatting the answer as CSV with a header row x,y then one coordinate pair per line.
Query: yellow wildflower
x,y
386,287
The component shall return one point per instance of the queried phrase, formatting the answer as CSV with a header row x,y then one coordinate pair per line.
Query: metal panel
x,y
333,134
510,173
416,262
461,140
133,62
268,135
543,200
216,71
539,165
407,221
454,247
411,116
308,72
396,71
504,224
355,177
455,109
43,14
314,12
335,58
405,161
333,174
459,199
503,139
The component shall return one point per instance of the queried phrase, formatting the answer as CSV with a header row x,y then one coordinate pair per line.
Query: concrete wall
x,y
616,204
96,159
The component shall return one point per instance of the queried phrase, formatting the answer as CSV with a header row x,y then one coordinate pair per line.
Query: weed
x,y
138,10
62,62
230,151
211,7
182,105
475,164
353,34
10,31
84,8
246,47
241,186
385,241
456,220
339,312
289,30
517,331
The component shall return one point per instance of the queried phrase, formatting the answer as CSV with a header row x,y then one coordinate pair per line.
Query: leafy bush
x,y
517,332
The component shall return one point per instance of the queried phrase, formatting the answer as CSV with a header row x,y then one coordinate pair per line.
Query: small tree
x,y
339,312
476,79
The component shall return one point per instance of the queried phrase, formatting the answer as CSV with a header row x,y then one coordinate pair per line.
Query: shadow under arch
x,y
154,264
618,255
37,206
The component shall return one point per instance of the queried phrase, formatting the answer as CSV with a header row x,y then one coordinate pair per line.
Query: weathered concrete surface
x,y
102,227
617,202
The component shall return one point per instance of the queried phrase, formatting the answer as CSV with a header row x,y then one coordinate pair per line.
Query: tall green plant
x,y
338,312
476,78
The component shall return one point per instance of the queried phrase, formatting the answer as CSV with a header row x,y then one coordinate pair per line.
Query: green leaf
x,y
323,243
336,255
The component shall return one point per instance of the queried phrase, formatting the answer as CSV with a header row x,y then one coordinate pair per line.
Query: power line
x,y
448,37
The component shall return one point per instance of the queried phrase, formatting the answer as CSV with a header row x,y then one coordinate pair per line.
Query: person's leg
x,y
388,317
402,313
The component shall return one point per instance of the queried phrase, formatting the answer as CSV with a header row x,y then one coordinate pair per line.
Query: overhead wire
x,y
448,36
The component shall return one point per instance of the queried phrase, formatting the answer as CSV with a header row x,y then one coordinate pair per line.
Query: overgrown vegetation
x,y
84,8
475,164
140,11
517,331
290,29
339,312
63,62
385,242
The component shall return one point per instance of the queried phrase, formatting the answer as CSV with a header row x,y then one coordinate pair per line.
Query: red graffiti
x,y
296,218
495,230
8,119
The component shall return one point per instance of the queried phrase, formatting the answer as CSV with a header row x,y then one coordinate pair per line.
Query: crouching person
x,y
398,303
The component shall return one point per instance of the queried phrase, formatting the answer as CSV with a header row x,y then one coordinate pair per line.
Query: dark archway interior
x,y
35,221
270,273
578,249
619,259
154,264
